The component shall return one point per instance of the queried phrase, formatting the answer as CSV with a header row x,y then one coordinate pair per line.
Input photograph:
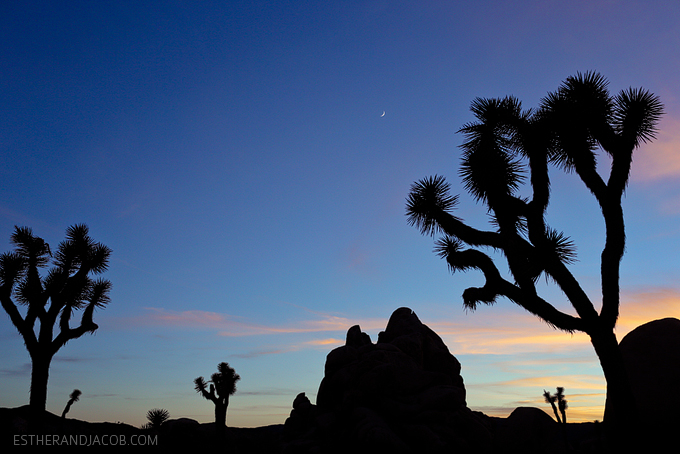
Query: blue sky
x,y
234,157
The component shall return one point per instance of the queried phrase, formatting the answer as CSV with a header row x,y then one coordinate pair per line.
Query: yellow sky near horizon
x,y
496,331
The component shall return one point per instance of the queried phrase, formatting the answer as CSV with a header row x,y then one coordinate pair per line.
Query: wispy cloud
x,y
23,371
269,392
232,326
326,342
505,333
255,354
70,359
580,382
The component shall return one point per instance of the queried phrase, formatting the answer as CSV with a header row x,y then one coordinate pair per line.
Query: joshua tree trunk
x,y
621,415
39,376
557,415
220,414
66,409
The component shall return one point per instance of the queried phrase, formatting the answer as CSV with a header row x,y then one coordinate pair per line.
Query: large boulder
x,y
651,353
402,394
531,430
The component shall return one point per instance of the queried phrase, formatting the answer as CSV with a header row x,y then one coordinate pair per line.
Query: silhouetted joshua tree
x,y
508,147
222,385
561,403
156,418
550,399
73,397
52,299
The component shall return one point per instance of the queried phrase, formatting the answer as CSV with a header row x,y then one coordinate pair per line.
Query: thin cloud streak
x,y
326,342
259,353
228,326
23,371
583,382
503,333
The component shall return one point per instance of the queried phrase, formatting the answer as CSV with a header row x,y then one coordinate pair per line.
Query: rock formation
x,y
402,394
652,356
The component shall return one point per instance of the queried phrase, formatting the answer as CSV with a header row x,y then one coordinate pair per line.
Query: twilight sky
x,y
234,157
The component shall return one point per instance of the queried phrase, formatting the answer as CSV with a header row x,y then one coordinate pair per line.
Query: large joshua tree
x,y
508,148
52,299
222,385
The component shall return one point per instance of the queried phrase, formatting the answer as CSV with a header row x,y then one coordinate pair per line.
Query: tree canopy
x,y
508,151
509,148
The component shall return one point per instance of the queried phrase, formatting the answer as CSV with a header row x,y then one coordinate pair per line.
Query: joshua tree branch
x,y
611,259
64,336
587,171
497,286
622,158
24,328
458,229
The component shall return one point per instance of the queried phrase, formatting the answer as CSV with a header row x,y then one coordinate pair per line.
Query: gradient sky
x,y
233,156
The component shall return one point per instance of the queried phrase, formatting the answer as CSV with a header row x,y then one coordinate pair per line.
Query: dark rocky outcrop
x,y
651,353
531,430
402,394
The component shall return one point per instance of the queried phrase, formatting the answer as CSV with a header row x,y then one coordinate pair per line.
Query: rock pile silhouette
x,y
402,394
651,353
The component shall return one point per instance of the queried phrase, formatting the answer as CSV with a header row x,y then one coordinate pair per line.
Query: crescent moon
x,y
383,114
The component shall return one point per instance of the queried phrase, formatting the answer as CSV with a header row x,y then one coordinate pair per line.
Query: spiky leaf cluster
x,y
636,115
489,168
222,383
156,418
75,395
429,197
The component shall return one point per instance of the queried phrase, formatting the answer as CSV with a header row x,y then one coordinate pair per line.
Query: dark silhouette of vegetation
x,y
156,418
561,403
508,148
222,385
52,299
73,397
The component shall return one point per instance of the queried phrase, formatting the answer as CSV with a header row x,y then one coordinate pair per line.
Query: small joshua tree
x,y
156,417
550,399
73,397
561,403
222,385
